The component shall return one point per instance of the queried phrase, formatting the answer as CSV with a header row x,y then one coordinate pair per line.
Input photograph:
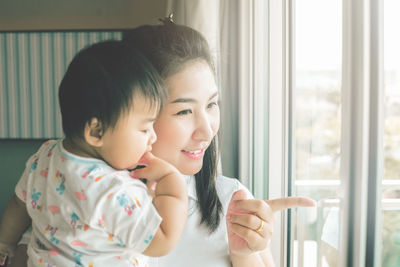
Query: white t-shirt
x,y
84,212
196,247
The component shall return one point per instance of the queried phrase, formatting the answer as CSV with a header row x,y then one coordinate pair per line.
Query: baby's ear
x,y
94,132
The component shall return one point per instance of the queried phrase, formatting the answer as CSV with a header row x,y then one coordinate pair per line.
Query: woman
x,y
215,233
186,137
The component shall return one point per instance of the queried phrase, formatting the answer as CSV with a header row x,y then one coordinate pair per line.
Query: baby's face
x,y
132,136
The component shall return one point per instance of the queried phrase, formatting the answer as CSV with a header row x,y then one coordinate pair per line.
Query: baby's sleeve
x,y
130,216
30,167
21,187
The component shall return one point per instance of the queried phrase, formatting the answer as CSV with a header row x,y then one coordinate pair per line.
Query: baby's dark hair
x,y
101,82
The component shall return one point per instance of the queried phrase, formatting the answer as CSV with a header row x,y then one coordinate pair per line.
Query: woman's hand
x,y
244,218
250,222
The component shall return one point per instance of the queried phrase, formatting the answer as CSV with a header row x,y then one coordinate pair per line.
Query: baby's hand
x,y
155,168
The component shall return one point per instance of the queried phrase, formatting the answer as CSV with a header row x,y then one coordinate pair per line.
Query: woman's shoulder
x,y
226,186
227,183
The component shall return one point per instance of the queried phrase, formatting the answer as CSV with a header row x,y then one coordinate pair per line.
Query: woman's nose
x,y
204,130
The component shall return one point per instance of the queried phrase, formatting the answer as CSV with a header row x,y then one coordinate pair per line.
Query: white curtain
x,y
202,15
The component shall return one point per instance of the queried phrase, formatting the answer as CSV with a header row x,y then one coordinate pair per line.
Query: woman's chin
x,y
190,169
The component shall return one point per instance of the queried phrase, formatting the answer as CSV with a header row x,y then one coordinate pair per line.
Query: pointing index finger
x,y
289,202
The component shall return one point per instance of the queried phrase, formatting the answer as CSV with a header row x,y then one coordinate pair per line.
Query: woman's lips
x,y
196,154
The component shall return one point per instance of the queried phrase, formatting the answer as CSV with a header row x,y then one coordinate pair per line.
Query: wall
x,y
32,65
49,15
22,15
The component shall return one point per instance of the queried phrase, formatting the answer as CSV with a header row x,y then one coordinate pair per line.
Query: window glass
x,y
391,181
316,113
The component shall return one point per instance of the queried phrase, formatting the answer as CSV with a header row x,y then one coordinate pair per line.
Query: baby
x,y
85,207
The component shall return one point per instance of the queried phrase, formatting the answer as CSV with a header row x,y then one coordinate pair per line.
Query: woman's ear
x,y
94,132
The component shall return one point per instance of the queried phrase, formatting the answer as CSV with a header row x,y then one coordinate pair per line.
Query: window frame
x,y
278,123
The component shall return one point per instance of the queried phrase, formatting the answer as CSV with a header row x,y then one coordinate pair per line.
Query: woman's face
x,y
190,119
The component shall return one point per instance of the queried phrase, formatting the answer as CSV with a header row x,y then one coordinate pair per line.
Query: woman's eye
x,y
212,104
184,112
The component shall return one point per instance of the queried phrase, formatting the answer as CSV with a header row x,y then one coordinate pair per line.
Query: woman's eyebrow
x,y
213,95
183,100
191,100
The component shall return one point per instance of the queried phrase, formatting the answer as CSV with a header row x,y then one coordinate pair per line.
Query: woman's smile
x,y
197,154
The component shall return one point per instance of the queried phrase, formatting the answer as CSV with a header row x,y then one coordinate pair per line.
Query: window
x,y
316,119
391,181
338,72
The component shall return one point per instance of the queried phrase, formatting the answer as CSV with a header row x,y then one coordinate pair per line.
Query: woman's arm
x,y
20,258
14,222
262,258
266,257
249,260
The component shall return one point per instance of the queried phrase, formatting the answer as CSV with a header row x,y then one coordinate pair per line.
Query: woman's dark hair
x,y
169,47
101,82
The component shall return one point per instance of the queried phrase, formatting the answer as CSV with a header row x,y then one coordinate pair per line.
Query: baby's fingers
x,y
147,173
155,168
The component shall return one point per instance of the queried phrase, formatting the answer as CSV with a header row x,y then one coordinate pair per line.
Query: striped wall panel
x,y
31,68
